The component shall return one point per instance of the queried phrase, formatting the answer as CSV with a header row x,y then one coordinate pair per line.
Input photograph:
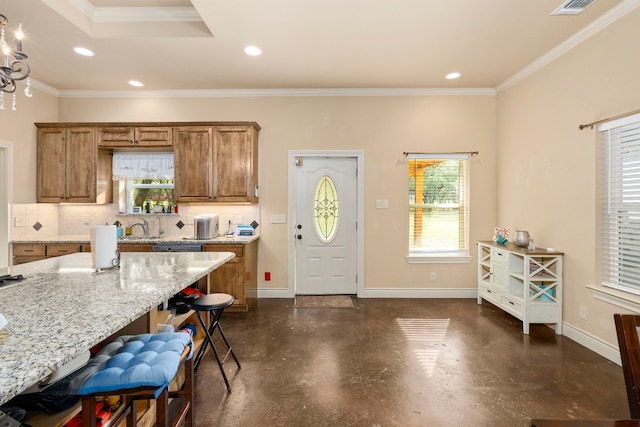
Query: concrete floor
x,y
401,362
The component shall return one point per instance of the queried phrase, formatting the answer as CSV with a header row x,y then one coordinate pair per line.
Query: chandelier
x,y
13,68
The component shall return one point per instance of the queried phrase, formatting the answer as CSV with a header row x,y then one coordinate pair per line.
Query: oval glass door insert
x,y
326,209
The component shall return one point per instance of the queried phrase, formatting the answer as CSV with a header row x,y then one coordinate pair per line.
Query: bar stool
x,y
214,304
139,367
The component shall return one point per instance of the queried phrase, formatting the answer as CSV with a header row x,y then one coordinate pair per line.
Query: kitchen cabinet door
x,y
227,279
192,159
51,164
237,277
235,166
131,136
70,166
80,166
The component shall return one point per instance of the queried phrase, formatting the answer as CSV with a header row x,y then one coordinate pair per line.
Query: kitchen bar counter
x,y
63,307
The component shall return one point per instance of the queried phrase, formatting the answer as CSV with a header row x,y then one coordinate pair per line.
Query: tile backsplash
x,y
75,220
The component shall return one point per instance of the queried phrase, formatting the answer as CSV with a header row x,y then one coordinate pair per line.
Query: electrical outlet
x,y
18,221
86,220
433,276
584,313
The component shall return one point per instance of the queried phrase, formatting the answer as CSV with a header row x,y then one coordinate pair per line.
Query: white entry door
x,y
325,225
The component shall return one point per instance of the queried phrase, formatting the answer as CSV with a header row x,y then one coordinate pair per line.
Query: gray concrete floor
x,y
401,362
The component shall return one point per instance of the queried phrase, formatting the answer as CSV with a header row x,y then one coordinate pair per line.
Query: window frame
x,y
453,256
627,297
130,186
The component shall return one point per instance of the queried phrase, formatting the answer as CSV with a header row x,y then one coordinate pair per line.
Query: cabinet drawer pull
x,y
28,250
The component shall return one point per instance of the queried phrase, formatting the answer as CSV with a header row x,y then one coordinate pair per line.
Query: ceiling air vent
x,y
572,7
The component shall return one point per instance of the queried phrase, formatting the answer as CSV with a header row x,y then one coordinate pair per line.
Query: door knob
x,y
299,236
299,226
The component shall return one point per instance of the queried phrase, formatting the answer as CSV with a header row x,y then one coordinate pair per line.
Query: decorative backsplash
x,y
41,221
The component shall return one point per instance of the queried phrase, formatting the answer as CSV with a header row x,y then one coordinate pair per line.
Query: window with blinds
x,y
438,207
619,189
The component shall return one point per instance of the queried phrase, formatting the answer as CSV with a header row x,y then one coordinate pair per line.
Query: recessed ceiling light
x,y
136,83
253,51
452,76
83,51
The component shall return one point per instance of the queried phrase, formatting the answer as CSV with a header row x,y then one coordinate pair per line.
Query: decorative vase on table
x,y
521,238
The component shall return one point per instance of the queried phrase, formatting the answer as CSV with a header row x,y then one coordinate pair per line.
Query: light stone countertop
x,y
63,307
81,239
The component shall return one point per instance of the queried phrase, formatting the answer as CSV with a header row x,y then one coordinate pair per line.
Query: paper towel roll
x,y
104,246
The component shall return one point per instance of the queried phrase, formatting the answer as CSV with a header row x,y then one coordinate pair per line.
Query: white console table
x,y
525,283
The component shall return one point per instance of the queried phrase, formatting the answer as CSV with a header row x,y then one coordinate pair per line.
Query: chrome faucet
x,y
144,224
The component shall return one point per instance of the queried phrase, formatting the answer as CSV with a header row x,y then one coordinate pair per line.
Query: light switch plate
x,y
278,219
382,204
18,221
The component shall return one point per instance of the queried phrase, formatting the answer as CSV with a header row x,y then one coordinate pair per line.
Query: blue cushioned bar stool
x,y
139,367
214,304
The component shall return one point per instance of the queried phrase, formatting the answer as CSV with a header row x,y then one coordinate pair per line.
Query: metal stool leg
x,y
229,349
213,348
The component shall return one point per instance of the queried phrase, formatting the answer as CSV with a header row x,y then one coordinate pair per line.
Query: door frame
x,y
6,198
293,198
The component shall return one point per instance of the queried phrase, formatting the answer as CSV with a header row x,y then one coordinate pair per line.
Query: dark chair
x,y
627,330
215,305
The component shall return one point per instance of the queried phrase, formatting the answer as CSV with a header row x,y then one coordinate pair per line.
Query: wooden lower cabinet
x,y
237,277
28,252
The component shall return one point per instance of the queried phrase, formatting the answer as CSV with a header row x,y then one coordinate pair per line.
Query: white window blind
x,y
142,166
619,189
438,204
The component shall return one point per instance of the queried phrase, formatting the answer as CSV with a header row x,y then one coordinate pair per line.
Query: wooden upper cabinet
x,y
66,165
235,164
80,181
192,163
51,164
70,168
129,136
216,164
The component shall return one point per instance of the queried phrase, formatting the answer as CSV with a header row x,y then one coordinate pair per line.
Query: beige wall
x,y
547,166
383,127
18,131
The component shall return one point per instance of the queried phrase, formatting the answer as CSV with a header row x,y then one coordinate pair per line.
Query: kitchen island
x,y
239,277
63,307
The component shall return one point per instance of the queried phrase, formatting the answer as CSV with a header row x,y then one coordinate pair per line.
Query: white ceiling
x,y
310,44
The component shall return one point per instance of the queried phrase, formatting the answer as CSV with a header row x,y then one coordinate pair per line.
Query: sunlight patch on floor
x,y
425,335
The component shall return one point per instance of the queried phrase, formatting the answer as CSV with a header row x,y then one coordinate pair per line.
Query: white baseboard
x,y
419,293
593,343
274,293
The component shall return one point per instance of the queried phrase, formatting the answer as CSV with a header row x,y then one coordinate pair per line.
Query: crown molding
x,y
596,26
37,84
260,93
